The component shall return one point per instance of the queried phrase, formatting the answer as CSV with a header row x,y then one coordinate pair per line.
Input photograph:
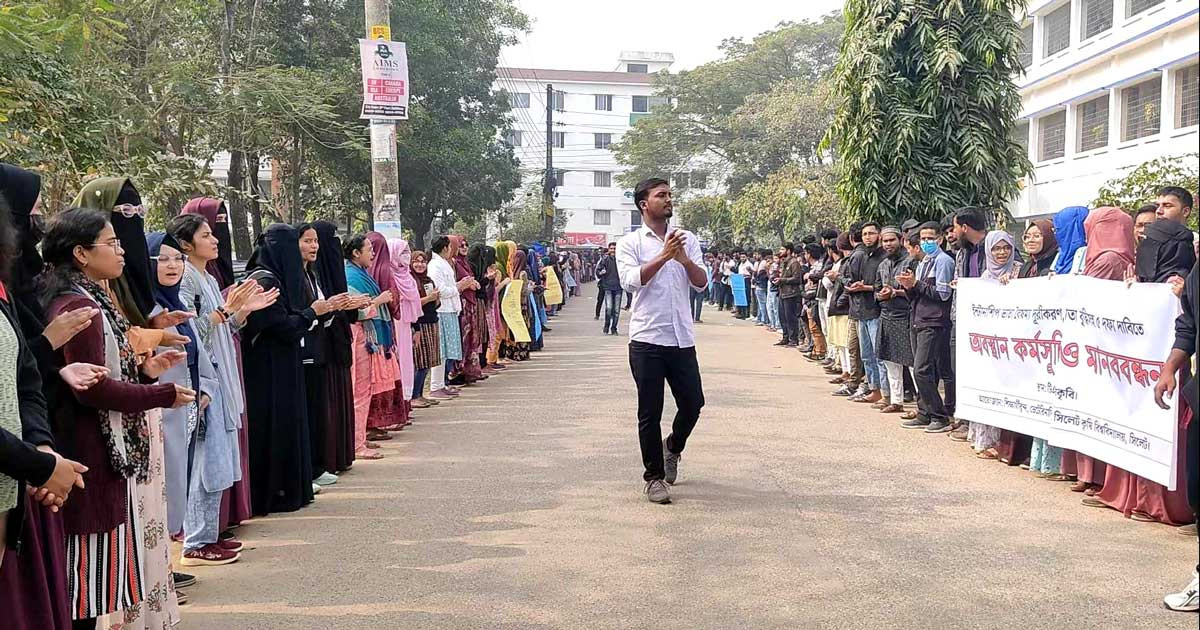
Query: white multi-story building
x,y
1109,84
591,111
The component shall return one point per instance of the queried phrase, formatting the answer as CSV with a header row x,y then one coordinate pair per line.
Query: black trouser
x,y
931,362
599,299
652,366
789,312
1193,463
947,375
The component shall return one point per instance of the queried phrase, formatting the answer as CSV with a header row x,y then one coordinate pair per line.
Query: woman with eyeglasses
x,y
106,427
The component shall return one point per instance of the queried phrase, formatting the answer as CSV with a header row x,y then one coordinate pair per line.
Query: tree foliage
x,y
925,106
1140,185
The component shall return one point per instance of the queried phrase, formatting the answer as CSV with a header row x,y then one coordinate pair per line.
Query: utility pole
x,y
548,187
385,171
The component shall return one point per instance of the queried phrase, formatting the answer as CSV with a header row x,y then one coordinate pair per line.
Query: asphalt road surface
x,y
520,506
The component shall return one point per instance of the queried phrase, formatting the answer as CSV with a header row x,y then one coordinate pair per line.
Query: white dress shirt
x,y
442,275
662,308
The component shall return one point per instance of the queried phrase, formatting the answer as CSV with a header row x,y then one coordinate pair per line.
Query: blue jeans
x,y
612,308
419,382
773,309
698,298
760,296
868,339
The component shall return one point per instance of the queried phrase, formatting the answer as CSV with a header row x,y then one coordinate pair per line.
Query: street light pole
x,y
385,171
550,183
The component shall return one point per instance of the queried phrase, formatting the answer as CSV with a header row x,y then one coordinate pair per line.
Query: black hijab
x,y
1166,251
330,265
278,252
20,188
479,257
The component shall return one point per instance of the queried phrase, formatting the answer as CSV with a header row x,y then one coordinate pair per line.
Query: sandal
x,y
909,415
417,404
1091,492
1142,517
368,454
371,444
988,454
892,409
1058,477
1079,486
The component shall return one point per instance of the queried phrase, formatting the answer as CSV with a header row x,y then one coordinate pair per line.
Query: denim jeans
x,y
868,339
419,382
612,309
698,298
773,309
760,295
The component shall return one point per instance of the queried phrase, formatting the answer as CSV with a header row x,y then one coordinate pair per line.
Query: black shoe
x,y
183,580
915,423
547,328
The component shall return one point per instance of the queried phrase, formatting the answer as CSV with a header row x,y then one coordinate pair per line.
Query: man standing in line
x,y
864,309
661,267
791,283
929,294
970,261
610,285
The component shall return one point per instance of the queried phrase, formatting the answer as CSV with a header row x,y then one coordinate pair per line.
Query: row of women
x,y
124,420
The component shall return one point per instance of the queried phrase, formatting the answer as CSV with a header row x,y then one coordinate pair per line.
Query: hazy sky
x,y
590,34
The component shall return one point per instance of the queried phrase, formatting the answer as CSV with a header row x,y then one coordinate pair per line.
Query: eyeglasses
x,y
129,210
166,260
113,243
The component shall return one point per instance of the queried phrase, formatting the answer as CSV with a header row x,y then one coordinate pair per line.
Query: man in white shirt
x,y
442,274
661,267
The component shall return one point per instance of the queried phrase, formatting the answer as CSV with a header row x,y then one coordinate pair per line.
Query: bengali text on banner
x,y
1073,360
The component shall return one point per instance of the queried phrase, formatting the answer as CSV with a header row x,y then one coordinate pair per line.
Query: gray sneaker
x,y
937,427
670,464
656,491
915,423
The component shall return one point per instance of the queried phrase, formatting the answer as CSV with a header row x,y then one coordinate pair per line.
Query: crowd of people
x,y
874,307
127,422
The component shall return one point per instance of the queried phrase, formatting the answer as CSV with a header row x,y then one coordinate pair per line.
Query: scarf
x,y
1039,263
134,288
1110,243
1068,230
215,213
126,434
478,257
516,263
462,269
381,268
409,294
503,253
995,269
379,332
1166,251
421,278
278,252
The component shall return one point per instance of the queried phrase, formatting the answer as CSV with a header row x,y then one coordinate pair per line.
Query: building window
x,y
1187,97
601,217
637,68
1097,17
519,100
603,140
1056,30
641,104
604,102
699,180
560,177
602,179
513,138
681,180
1134,7
1020,135
560,101
1027,45
560,139
635,218
1092,121
1141,109
1052,136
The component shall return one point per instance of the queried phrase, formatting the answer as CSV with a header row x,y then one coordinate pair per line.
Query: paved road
x,y
520,506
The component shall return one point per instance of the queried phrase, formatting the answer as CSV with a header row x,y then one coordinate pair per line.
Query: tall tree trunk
x,y
236,205
255,194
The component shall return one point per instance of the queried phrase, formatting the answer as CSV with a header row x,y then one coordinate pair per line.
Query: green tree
x,y
790,202
1140,185
925,107
522,219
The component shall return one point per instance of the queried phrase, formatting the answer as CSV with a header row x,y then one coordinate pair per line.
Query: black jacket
x,y
19,457
1186,334
610,280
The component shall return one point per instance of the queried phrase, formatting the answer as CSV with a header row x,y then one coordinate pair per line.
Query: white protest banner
x,y
384,78
1073,360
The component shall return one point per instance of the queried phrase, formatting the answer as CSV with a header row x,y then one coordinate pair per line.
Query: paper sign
x,y
383,142
381,31
553,294
510,309
384,79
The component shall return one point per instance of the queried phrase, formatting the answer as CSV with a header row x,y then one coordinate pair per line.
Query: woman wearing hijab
x,y
371,335
408,311
214,211
517,270
33,566
1110,254
206,428
314,356
107,425
118,196
427,352
503,251
1001,264
1068,229
280,470
480,257
1040,243
339,417
468,319
389,412
216,321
